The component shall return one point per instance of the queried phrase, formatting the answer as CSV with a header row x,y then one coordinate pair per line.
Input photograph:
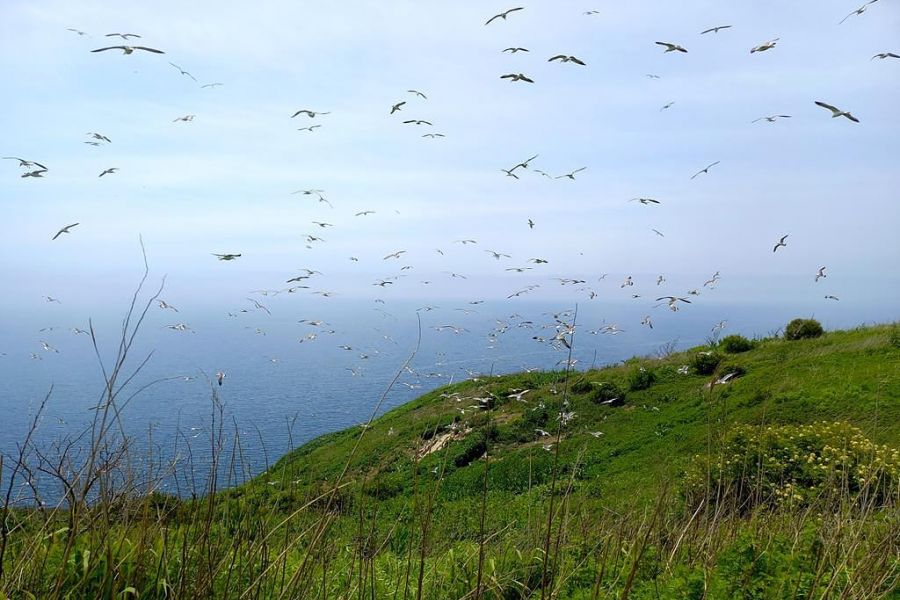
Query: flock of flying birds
x,y
561,328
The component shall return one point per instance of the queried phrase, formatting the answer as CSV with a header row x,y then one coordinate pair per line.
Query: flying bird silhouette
x,y
780,243
503,15
63,230
836,112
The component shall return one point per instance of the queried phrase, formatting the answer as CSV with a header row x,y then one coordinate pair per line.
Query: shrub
x,y
796,464
894,337
606,392
704,363
734,344
800,329
641,379
582,386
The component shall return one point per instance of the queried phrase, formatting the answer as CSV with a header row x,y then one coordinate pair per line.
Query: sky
x,y
223,182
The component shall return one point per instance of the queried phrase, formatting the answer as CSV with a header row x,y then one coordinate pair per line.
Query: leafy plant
x,y
734,344
705,363
800,329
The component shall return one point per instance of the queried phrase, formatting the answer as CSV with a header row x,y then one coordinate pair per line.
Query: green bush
x,y
705,363
734,344
582,386
606,391
800,329
641,379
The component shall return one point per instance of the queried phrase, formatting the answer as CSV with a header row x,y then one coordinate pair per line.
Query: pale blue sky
x,y
223,182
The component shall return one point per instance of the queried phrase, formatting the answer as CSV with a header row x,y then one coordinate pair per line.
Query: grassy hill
x,y
770,472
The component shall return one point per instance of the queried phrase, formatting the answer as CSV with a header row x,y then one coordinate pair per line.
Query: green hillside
x,y
766,469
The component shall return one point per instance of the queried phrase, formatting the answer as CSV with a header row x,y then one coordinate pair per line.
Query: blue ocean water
x,y
280,392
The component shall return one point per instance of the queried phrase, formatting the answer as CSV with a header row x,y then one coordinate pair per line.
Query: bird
x,y
364,213
504,14
77,31
417,122
670,47
883,55
672,301
542,432
124,36
627,283
645,200
705,169
830,297
397,107
433,135
771,118
418,93
211,85
498,255
512,50
572,174
63,230
651,76
716,29
530,224
36,173
517,77
394,254
764,46
108,171
129,49
646,321
311,128
99,136
220,377
226,256
858,11
780,243
164,305
565,59
182,71
836,112
25,164
821,274
309,113
51,299
657,232
667,105
185,118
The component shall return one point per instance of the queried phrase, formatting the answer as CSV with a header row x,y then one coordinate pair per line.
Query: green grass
x,y
454,495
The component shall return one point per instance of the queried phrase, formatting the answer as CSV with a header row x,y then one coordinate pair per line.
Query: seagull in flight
x,y
417,122
309,113
670,47
830,297
418,93
397,107
667,105
77,31
211,85
651,76
394,254
780,243
821,274
564,58
572,174
504,14
705,169
764,46
63,230
220,377
513,50
183,72
530,224
124,36
645,200
771,118
108,171
516,77
433,135
858,11
129,49
185,118
836,112
311,128
226,256
657,232
99,136
164,305
716,29
498,255
883,55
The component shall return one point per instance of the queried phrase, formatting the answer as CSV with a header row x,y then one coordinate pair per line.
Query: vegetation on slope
x,y
775,475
